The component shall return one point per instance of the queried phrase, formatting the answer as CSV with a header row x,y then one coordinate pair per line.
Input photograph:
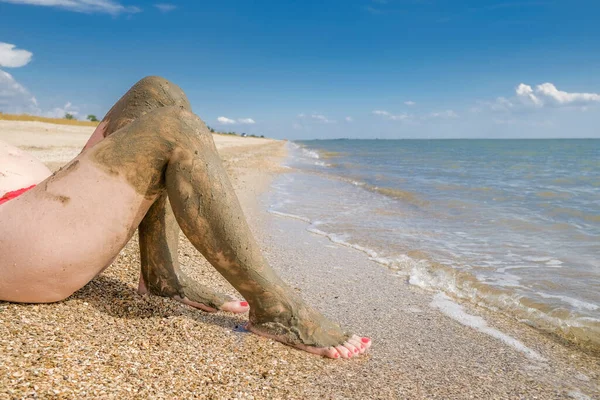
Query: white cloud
x,y
443,114
390,116
165,7
401,117
410,103
525,122
525,94
381,112
322,118
229,121
14,97
317,117
12,57
60,112
414,119
83,6
226,121
349,119
552,95
544,95
502,104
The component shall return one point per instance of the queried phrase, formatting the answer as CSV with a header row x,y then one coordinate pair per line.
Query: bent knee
x,y
158,87
153,81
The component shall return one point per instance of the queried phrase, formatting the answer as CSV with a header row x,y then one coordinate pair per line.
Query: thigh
x,y
56,237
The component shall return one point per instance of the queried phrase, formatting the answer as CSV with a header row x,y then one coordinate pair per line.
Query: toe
x,y
366,342
331,352
353,349
355,341
344,352
236,307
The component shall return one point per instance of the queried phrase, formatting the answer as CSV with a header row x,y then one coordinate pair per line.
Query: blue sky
x,y
317,69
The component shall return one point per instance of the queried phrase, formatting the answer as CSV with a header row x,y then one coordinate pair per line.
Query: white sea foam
x,y
537,259
457,312
342,241
292,216
582,305
401,262
310,153
504,269
503,280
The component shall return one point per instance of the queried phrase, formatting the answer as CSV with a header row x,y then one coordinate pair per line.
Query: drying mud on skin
x,y
172,148
160,274
159,241
148,94
57,176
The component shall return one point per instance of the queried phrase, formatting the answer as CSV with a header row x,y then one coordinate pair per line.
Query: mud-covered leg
x,y
161,275
148,94
159,232
171,148
210,215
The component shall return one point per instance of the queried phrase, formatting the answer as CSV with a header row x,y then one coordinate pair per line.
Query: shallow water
x,y
513,225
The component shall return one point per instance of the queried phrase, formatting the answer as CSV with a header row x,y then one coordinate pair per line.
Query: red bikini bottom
x,y
15,193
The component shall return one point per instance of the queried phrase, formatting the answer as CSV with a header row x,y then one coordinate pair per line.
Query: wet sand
x,y
106,341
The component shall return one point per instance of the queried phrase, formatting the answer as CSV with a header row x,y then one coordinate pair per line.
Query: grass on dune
x,y
60,121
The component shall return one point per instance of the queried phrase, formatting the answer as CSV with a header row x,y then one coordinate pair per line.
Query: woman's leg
x,y
159,232
161,275
171,148
59,235
150,93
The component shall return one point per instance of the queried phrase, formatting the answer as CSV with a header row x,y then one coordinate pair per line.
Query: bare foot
x,y
199,296
301,327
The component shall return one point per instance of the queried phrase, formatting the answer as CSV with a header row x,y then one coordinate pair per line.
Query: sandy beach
x,y
106,341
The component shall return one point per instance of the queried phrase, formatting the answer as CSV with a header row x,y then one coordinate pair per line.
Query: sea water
x,y
512,225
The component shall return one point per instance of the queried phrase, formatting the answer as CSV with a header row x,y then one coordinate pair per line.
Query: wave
x,y
456,312
570,326
565,317
427,274
292,216
398,194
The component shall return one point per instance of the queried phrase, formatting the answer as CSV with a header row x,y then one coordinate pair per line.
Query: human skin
x,y
72,237
159,232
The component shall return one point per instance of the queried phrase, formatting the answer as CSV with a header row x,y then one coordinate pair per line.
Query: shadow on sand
x,y
115,298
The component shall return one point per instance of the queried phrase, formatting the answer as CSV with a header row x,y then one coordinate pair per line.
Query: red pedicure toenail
x,y
337,355
365,340
244,303
356,350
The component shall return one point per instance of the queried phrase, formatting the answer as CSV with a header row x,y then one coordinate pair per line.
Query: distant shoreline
x,y
34,118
